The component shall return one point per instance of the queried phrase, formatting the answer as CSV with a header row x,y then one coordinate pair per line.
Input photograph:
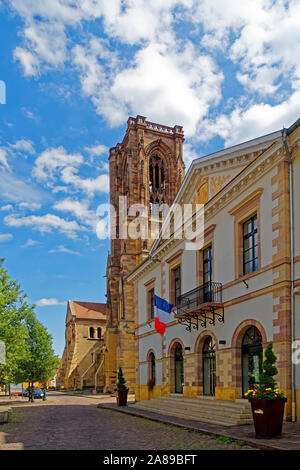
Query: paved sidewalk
x,y
290,439
76,423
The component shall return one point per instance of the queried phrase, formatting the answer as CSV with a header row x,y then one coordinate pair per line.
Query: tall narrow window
x,y
152,367
177,284
99,333
207,274
150,304
92,332
157,178
250,246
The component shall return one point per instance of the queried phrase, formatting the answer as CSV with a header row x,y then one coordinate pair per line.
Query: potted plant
x,y
267,402
122,390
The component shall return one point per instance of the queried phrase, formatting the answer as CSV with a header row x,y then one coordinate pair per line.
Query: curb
x,y
4,415
163,419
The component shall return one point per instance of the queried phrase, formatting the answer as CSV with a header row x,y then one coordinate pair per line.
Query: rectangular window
x,y
151,304
250,245
177,284
207,274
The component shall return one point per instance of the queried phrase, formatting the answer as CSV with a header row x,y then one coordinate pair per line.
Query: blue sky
x,y
76,70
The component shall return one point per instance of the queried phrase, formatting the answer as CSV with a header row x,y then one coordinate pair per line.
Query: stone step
x,y
211,405
188,416
203,409
197,411
239,403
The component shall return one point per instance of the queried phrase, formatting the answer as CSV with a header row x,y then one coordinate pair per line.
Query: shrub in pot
x,y
122,390
267,402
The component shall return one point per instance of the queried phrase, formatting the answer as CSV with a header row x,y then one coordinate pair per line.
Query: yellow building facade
x,y
83,357
234,286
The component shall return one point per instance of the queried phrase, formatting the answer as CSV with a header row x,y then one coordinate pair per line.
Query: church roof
x,y
88,310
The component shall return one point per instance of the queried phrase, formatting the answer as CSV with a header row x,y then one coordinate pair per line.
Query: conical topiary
x,y
269,370
121,381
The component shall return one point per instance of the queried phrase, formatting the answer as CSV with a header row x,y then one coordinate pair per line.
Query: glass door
x,y
252,358
209,367
179,372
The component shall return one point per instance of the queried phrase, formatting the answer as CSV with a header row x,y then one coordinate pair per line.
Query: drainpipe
x,y
292,253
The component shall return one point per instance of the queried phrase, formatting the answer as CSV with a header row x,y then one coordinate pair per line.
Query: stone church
x,y
82,360
147,168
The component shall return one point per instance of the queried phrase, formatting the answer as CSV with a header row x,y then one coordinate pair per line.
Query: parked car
x,y
37,393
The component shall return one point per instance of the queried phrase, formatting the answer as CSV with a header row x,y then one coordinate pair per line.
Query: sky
x,y
75,70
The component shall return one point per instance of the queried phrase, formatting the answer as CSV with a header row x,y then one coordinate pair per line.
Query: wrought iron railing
x,y
210,292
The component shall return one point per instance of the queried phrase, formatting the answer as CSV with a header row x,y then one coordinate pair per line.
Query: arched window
x,y
156,182
92,332
252,357
99,333
156,174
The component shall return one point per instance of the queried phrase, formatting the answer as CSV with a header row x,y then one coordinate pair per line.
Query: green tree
x,y
121,380
269,369
38,362
14,313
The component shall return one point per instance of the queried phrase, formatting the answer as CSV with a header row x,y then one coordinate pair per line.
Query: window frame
x,y
253,249
150,288
243,211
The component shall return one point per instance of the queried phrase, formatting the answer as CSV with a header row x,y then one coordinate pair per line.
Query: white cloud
x,y
31,206
8,207
29,114
243,124
3,159
5,237
23,145
53,159
15,190
167,78
80,209
28,60
90,186
30,242
97,150
52,302
63,249
45,223
151,84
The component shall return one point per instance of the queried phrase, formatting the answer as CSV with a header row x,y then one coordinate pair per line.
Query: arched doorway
x,y
179,371
209,367
252,357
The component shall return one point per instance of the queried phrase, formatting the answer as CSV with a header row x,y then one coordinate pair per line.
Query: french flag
x,y
162,310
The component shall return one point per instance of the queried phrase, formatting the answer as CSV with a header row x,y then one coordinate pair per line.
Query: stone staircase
x,y
202,408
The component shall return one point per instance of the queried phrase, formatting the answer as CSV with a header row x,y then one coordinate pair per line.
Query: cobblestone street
x,y
70,422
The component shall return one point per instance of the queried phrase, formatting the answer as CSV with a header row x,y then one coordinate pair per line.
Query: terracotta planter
x,y
122,397
268,416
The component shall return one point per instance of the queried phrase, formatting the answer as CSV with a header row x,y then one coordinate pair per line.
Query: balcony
x,y
202,306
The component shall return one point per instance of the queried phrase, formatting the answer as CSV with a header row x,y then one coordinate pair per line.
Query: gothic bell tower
x,y
147,168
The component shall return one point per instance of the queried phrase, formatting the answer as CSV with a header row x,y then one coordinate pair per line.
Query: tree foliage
x,y
14,312
121,380
269,369
29,353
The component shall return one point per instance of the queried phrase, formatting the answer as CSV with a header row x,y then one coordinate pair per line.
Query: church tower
x,y
147,168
